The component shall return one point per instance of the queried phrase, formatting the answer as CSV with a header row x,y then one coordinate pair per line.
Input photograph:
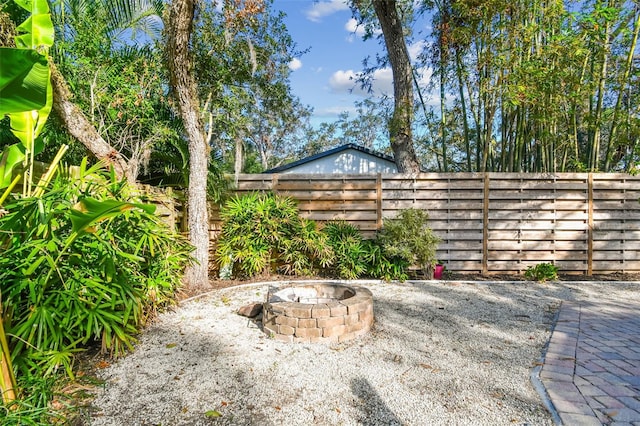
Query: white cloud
x,y
342,81
354,29
325,8
423,75
357,30
295,64
334,111
346,82
416,49
218,5
383,82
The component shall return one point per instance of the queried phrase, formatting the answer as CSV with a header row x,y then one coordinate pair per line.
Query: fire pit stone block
x,y
318,312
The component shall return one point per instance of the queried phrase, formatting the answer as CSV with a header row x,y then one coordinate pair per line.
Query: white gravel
x,y
440,352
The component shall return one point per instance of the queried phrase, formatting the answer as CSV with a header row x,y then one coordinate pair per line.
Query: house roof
x,y
331,152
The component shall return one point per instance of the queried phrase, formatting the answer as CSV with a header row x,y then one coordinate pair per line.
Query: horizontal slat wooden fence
x,y
584,223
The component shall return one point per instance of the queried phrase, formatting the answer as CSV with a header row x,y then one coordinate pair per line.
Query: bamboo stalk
x,y
46,178
8,384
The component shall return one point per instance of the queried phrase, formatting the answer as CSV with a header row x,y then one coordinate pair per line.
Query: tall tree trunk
x,y
400,126
81,128
179,28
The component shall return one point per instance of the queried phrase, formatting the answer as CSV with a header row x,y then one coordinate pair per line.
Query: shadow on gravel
x,y
374,410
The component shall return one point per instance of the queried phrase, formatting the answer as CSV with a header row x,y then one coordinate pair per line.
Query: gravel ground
x,y
440,352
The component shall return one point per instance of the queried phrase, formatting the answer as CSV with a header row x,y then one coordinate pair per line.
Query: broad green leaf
x,y
34,6
11,157
27,125
37,31
43,115
90,211
24,80
23,126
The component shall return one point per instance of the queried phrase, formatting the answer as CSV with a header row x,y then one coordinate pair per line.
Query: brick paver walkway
x,y
591,371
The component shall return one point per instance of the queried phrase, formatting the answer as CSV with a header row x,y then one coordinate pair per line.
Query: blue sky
x,y
322,77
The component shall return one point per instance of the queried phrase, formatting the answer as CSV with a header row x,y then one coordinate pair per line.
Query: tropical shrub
x,y
349,249
408,237
79,261
26,99
306,250
82,263
542,272
263,233
382,266
356,257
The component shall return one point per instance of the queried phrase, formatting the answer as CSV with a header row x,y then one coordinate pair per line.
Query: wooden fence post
x,y
590,224
379,202
485,225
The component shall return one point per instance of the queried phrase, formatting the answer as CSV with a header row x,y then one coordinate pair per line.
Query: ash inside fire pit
x,y
318,312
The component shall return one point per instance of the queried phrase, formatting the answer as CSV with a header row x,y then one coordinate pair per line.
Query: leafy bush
x,y
410,239
81,263
356,257
350,253
307,250
542,272
263,233
382,266
34,406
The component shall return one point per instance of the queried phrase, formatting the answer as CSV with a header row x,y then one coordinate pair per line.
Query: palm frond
x,y
135,16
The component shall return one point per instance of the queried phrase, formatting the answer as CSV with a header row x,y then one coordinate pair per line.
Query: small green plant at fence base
x,y
347,244
356,257
542,272
409,237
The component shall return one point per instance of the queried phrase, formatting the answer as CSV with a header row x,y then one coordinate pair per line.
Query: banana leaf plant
x,y
26,97
26,93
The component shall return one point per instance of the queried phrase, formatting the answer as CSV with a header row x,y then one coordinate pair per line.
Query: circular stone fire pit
x,y
317,312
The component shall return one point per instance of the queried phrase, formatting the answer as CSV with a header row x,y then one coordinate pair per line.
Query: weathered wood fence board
x,y
488,222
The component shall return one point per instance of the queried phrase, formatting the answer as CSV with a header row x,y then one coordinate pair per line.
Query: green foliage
x,y
81,263
306,250
78,261
350,253
542,272
33,407
119,84
169,167
263,233
25,89
409,238
26,98
381,265
356,257
241,61
23,65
